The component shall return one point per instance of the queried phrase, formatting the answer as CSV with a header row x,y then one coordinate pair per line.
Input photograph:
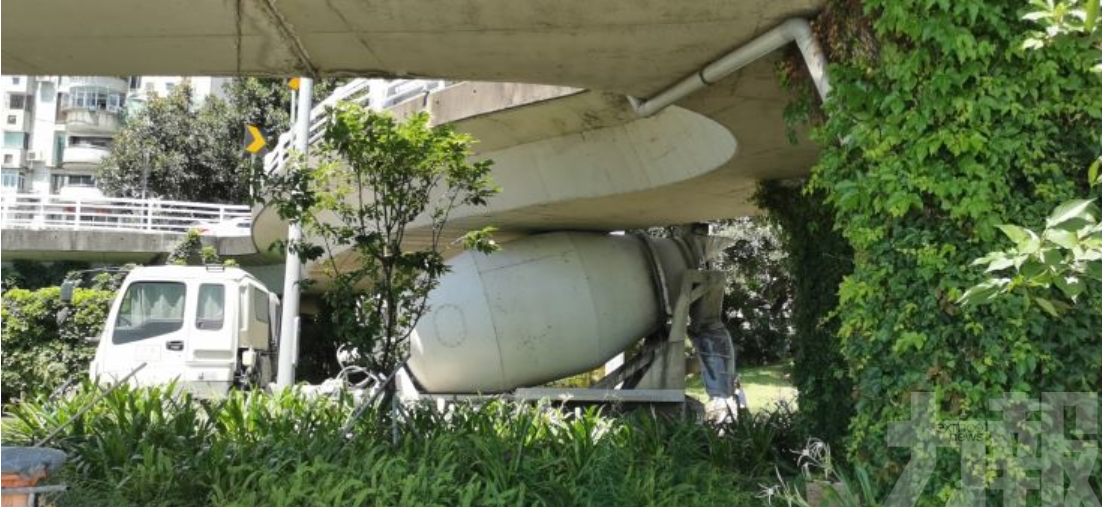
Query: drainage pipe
x,y
792,30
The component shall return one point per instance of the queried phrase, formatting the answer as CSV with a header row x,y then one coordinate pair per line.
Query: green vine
x,y
818,259
951,127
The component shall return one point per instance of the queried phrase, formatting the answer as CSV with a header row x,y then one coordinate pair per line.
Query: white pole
x,y
292,272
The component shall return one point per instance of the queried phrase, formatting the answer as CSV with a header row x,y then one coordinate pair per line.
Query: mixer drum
x,y
543,308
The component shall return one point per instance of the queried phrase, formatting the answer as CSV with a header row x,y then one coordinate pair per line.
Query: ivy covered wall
x,y
818,259
940,127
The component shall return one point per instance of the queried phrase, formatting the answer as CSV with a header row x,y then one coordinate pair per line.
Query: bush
x,y
40,354
158,446
34,275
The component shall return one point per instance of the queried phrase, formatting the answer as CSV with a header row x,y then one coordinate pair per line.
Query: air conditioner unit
x,y
34,156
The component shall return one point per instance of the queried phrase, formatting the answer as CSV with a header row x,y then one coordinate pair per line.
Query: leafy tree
x,y
758,299
194,153
367,181
266,102
191,153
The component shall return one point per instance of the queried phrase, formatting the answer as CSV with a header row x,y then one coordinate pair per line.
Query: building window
x,y
59,181
90,142
12,119
15,80
9,159
12,180
17,101
14,140
59,147
46,92
81,180
134,82
94,99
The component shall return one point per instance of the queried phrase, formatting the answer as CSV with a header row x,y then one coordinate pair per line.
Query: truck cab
x,y
210,328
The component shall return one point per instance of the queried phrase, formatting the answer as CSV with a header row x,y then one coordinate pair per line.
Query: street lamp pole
x,y
292,272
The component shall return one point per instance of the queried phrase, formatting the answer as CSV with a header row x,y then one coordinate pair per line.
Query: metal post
x,y
292,271
145,172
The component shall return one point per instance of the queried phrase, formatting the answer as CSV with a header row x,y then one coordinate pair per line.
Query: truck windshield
x,y
149,309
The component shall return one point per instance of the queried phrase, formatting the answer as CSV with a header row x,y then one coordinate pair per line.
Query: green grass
x,y
764,386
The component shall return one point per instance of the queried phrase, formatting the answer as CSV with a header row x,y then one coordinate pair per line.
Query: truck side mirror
x,y
67,291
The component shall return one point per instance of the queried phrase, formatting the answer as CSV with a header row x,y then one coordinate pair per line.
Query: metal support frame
x,y
667,370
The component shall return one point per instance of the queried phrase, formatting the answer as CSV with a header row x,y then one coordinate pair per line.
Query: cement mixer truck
x,y
546,307
553,305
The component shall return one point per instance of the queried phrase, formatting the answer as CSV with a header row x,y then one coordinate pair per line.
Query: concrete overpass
x,y
575,152
634,47
584,160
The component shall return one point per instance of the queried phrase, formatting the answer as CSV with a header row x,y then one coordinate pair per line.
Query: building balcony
x,y
114,84
83,157
80,120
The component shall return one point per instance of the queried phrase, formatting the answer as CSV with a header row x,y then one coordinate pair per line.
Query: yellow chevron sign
x,y
254,139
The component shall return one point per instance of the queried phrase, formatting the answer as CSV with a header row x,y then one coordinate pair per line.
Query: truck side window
x,y
149,309
212,307
260,304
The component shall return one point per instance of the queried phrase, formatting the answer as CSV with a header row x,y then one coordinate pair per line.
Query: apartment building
x,y
58,129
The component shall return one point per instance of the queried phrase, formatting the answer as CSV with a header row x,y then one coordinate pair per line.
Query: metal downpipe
x,y
796,30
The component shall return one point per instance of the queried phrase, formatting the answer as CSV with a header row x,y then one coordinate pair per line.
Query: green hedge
x,y
818,259
941,126
39,355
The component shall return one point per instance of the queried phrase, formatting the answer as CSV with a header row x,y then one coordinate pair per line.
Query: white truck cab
x,y
209,328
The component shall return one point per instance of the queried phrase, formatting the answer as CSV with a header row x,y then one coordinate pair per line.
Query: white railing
x,y
376,93
53,212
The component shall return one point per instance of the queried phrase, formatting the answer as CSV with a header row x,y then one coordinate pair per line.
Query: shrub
x,y
158,446
39,353
34,275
